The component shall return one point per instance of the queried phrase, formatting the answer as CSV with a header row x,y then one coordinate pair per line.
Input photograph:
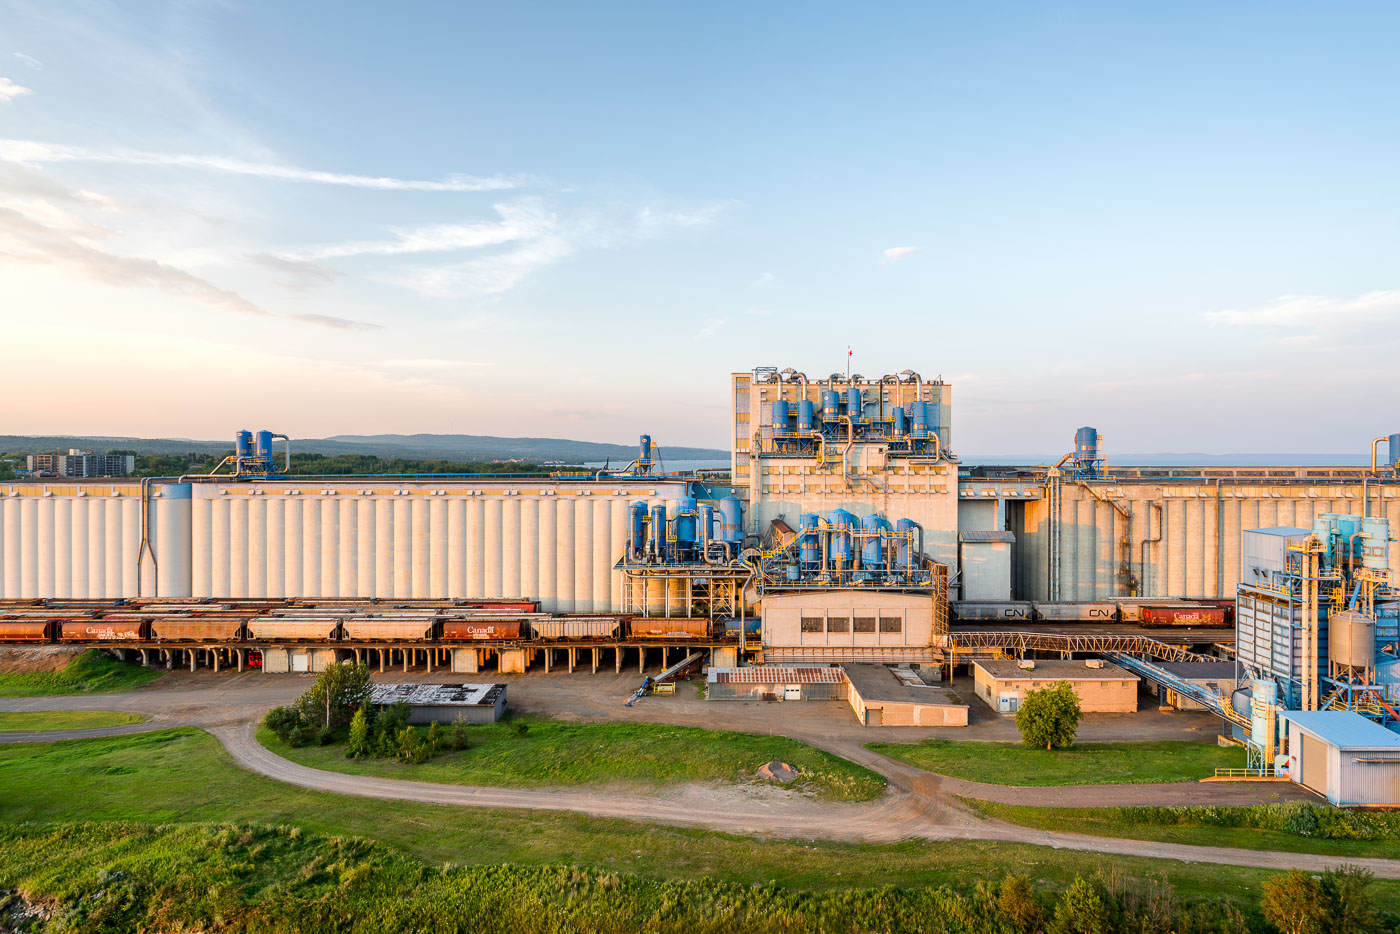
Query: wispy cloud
x,y
294,275
9,90
489,275
762,282
522,220
32,152
26,241
1313,311
426,363
896,253
29,61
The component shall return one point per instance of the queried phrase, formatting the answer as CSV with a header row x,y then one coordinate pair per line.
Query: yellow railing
x,y
1266,772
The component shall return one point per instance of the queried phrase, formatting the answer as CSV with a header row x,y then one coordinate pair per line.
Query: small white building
x,y
1346,758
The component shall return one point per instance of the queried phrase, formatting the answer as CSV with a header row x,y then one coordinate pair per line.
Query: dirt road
x,y
918,804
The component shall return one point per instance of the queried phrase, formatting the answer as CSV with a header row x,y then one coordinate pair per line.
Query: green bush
x,y
460,739
1050,716
283,721
1303,818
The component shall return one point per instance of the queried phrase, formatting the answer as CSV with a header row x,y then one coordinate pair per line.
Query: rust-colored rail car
x,y
196,630
298,631
1162,617
462,630
398,630
102,630
39,630
659,627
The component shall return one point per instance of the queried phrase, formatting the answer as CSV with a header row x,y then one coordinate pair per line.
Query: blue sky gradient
x,y
1177,223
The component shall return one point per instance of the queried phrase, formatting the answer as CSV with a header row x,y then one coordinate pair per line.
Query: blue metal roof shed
x,y
1350,760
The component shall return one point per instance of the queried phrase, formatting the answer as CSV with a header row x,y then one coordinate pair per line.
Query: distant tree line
x,y
174,465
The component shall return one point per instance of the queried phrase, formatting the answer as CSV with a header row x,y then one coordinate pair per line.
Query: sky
x,y
1178,223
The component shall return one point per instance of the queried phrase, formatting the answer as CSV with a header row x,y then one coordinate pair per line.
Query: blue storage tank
x,y
1086,445
900,426
855,405
1395,450
731,520
904,548
658,531
806,417
243,444
749,625
687,533
636,528
705,527
809,546
264,444
920,410
646,447
1375,551
840,550
831,406
872,549
780,415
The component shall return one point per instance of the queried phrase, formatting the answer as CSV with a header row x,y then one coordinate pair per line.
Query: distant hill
x,y
444,447
1351,459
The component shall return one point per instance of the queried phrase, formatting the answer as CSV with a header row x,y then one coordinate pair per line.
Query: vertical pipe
x,y
601,552
491,551
112,574
438,573
583,548
310,547
257,546
476,544
510,547
97,557
29,547
238,547
1230,547
293,519
365,575
45,538
384,547
78,542
530,548
421,582
1193,549
403,547
616,539
548,555
456,548
349,583
201,557
276,550
330,547
564,561
131,545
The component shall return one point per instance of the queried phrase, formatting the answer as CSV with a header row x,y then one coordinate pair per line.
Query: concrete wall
x,y
986,570
783,615
1118,696
1191,529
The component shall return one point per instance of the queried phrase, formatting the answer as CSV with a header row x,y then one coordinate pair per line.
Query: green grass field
x,y
1080,764
92,672
553,752
184,775
66,719
1256,827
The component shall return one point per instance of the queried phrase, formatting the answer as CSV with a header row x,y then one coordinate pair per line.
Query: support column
x,y
404,652
573,657
217,658
548,658
429,654
641,659
169,659
617,657
381,661
143,658
242,657
194,658
596,652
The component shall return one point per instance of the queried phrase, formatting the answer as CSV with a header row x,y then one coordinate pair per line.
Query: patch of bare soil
x,y
40,658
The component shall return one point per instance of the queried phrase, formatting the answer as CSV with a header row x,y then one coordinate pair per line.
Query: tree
x,y
1350,907
338,690
1294,903
1049,717
434,736
1017,903
460,739
358,745
1081,909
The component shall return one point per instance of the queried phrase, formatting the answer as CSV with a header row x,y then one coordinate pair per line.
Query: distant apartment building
x,y
81,464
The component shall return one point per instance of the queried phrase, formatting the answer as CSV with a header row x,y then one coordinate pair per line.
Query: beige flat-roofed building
x,y
1002,684
851,625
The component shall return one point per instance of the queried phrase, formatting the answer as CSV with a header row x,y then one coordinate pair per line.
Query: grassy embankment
x,y
92,672
31,720
552,752
1296,827
179,776
1080,764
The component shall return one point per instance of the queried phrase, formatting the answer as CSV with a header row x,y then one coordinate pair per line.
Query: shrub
x,y
460,739
357,746
1049,717
413,747
1294,903
283,721
1348,902
1018,905
520,727
1082,909
434,737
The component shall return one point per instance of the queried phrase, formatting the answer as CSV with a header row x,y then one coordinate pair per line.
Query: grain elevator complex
x,y
847,533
